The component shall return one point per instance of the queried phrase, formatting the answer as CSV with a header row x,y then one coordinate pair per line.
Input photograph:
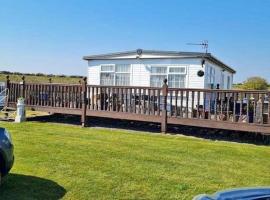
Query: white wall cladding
x,y
194,81
93,75
140,75
140,70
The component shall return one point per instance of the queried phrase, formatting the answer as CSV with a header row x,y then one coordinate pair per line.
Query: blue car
x,y
257,193
6,153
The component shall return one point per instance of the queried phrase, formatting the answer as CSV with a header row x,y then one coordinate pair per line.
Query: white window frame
x,y
112,65
168,67
114,72
157,74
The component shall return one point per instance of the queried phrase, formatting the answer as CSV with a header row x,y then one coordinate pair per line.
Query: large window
x,y
228,82
158,74
115,75
176,81
210,76
107,75
222,85
176,76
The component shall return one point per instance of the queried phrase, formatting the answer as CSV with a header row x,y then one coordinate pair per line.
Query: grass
x,y
63,161
40,79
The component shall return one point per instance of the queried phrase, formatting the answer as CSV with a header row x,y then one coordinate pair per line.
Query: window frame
x,y
114,73
168,67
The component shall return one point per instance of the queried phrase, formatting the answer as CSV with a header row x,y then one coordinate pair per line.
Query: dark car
x,y
6,153
258,193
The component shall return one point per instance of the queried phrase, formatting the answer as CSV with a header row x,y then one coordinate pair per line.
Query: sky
x,y
52,36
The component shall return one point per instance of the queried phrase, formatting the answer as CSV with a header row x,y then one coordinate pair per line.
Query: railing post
x,y
22,83
7,91
164,109
83,116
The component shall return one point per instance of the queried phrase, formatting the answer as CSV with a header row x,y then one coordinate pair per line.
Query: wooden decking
x,y
222,109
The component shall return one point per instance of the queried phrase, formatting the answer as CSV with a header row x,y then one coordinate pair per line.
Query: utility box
x,y
20,116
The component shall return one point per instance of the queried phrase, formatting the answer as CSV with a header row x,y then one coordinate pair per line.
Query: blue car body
x,y
6,152
257,193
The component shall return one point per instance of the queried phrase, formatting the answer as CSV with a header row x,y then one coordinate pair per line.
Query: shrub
x,y
255,83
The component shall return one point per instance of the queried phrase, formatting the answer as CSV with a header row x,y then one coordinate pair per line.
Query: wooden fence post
x,y
8,91
22,92
164,109
83,117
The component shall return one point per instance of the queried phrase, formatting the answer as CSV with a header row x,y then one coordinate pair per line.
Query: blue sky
x,y
52,36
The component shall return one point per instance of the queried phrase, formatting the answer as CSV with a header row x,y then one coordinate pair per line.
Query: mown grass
x,y
40,79
63,161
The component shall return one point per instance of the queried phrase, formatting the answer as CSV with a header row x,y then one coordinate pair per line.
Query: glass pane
x,y
212,75
177,70
222,81
106,79
122,68
176,81
159,70
228,82
107,68
157,80
122,79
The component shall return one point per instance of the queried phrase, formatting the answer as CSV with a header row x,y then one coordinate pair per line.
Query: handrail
x,y
156,88
220,90
4,99
47,84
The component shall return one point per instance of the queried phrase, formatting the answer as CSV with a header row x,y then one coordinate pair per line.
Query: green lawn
x,y
62,161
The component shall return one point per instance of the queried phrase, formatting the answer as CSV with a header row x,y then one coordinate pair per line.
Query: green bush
x,y
255,83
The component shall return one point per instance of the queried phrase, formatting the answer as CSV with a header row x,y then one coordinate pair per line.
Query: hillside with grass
x,y
55,161
39,78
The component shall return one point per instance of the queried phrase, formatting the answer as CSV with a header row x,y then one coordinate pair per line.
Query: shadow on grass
x,y
99,122
205,133
20,187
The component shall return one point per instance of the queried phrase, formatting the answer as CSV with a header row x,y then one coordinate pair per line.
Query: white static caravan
x,y
149,68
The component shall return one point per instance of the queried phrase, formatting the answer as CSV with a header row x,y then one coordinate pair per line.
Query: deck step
x,y
8,112
5,112
6,119
9,109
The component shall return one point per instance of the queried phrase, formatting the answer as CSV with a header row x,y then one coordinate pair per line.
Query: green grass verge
x,y
62,161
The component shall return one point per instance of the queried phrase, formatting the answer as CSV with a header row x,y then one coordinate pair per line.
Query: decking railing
x,y
243,110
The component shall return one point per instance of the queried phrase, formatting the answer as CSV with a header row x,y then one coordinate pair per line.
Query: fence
x,y
243,110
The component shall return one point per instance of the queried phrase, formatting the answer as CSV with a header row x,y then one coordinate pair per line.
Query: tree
x,y
255,83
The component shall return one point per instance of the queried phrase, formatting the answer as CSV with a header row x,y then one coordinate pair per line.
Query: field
x,y
40,79
55,161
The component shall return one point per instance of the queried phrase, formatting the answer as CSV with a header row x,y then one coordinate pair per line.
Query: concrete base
x,y
19,119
